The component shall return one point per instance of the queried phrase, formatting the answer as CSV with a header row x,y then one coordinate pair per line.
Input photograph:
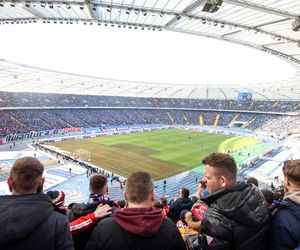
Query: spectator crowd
x,y
225,214
20,99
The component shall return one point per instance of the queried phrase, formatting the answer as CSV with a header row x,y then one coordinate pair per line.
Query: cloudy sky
x,y
153,56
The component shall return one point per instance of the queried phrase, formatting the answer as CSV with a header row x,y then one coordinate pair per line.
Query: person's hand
x,y
102,211
188,217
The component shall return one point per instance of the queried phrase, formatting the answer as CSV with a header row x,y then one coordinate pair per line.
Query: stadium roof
x,y
21,78
268,25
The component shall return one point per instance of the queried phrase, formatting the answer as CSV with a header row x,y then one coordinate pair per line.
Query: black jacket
x,y
30,222
237,218
76,210
132,229
179,205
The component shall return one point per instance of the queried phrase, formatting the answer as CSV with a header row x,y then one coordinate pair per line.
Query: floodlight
x,y
211,6
296,25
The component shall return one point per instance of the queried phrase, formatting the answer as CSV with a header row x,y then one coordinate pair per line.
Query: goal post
x,y
83,155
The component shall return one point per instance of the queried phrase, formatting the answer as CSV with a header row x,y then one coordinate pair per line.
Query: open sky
x,y
142,55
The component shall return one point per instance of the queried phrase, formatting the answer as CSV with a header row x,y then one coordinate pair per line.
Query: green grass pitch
x,y
163,153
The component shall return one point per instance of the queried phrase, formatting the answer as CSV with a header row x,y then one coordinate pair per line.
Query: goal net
x,y
83,155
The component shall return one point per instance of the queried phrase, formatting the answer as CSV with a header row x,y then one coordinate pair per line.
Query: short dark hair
x,y
291,169
194,199
253,181
139,186
185,192
26,173
224,163
97,183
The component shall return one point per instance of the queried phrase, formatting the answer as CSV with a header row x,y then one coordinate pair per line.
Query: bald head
x,y
26,176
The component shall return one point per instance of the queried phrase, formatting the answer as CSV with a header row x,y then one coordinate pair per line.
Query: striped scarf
x,y
98,197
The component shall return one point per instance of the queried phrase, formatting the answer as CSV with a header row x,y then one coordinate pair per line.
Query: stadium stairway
x,y
217,120
174,184
233,120
248,123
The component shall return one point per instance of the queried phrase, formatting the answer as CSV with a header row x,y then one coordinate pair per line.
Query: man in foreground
x,y
237,216
138,226
27,217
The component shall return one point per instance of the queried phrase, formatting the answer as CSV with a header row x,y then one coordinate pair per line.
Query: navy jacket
x,y
286,227
179,205
30,222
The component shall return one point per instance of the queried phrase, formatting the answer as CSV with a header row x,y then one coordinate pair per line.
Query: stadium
x,y
77,124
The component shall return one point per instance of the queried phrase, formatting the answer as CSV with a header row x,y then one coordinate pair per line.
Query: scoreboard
x,y
244,96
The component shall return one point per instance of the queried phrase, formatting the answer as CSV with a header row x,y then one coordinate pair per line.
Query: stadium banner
x,y
29,135
74,129
244,96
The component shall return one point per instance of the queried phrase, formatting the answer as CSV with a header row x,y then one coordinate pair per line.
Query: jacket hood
x,y
243,203
293,195
144,222
292,200
22,214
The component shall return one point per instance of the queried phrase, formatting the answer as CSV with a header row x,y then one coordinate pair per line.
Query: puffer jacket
x,y
237,218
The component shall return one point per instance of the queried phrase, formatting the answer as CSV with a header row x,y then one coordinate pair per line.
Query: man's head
x,y
26,176
139,190
98,184
219,171
291,172
184,193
